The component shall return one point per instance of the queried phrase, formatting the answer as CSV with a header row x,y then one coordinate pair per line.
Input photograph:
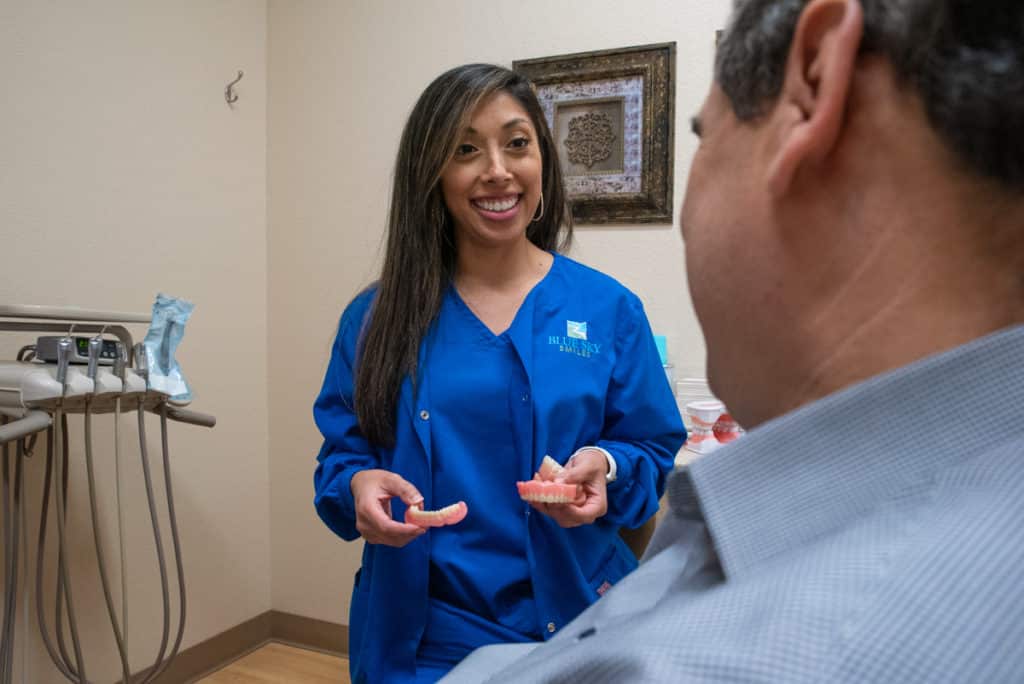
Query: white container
x,y
703,415
689,390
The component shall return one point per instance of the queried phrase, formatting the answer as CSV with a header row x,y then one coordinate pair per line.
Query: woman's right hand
x,y
373,491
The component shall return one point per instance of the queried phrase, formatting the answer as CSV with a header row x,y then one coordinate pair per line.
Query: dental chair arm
x,y
32,422
191,417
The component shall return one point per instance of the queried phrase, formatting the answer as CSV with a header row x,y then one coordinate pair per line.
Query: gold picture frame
x,y
612,115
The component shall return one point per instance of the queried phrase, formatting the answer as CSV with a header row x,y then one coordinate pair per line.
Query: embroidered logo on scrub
x,y
575,340
576,329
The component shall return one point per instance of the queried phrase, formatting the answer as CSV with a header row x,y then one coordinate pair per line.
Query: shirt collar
x,y
816,469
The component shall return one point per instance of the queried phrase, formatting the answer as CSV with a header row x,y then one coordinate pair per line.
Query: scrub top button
x,y
425,415
551,627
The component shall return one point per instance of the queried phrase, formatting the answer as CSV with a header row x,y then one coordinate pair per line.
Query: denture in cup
x,y
449,515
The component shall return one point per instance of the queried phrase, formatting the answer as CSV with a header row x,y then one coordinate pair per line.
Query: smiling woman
x,y
492,185
449,383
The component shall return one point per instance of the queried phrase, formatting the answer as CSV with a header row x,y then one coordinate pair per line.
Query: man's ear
x,y
815,87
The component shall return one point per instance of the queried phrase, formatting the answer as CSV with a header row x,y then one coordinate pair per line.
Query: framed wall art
x,y
612,114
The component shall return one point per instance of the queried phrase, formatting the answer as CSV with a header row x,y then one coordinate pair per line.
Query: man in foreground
x,y
854,228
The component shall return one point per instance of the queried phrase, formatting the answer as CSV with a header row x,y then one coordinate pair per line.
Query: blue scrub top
x,y
585,346
480,399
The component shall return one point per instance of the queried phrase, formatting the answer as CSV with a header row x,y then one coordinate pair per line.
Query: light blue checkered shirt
x,y
876,535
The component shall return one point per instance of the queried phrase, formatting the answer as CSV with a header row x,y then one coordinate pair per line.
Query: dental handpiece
x,y
141,362
95,346
120,360
63,360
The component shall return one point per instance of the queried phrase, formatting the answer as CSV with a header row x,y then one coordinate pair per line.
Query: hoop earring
x,y
540,214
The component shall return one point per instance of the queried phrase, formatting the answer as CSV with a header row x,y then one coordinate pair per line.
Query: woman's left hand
x,y
588,468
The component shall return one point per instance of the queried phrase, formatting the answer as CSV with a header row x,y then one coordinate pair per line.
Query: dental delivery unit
x,y
72,366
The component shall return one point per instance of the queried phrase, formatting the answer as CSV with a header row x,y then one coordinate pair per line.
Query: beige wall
x,y
123,173
342,79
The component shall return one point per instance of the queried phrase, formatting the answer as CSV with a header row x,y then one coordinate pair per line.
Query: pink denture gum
x,y
449,515
548,492
542,489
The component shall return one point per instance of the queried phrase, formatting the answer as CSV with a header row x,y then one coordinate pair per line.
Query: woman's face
x,y
492,186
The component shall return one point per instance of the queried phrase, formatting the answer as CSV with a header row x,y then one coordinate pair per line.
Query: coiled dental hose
x,y
57,444
45,506
13,510
15,532
56,450
157,539
173,518
118,634
160,664
120,523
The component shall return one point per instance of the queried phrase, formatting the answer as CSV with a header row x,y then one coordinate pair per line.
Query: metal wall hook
x,y
229,92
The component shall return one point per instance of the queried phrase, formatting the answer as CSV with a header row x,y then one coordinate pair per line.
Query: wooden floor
x,y
281,664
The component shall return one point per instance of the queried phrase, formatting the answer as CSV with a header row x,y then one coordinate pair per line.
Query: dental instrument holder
x,y
37,394
37,388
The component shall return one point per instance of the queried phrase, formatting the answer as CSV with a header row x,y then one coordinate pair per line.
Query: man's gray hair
x,y
965,58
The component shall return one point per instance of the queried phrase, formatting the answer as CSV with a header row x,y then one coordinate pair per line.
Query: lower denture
x,y
449,515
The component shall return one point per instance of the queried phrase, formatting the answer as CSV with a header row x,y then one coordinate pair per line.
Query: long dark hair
x,y
420,258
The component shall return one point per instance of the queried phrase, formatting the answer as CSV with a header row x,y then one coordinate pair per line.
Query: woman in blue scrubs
x,y
480,350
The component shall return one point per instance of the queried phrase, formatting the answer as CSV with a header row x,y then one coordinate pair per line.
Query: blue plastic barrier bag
x,y
165,332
